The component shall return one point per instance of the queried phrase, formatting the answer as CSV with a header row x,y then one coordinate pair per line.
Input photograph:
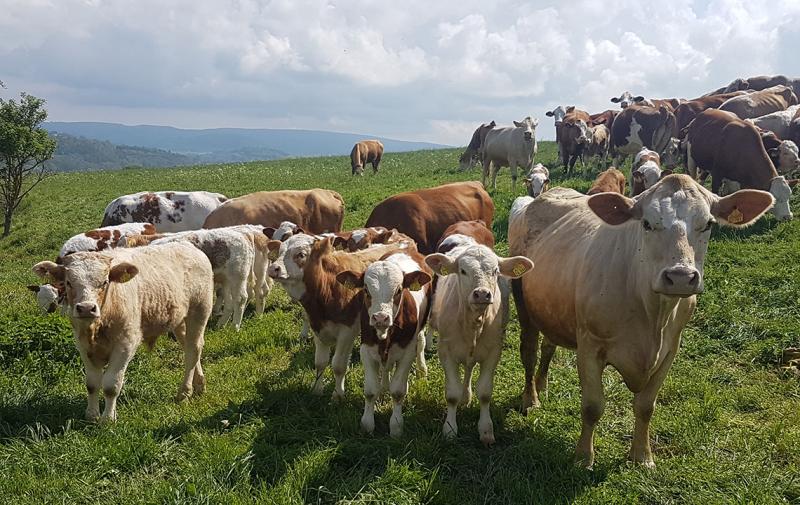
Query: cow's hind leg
x,y
398,388
422,343
341,358
590,374
548,350
322,354
194,340
485,171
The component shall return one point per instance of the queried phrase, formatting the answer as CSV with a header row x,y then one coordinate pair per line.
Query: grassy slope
x,y
726,428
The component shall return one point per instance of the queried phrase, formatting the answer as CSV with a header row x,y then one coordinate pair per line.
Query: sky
x,y
411,69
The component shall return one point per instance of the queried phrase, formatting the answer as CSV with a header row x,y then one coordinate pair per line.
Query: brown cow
x,y
760,103
605,118
760,82
688,110
472,231
472,154
609,181
425,214
731,148
314,210
366,151
575,137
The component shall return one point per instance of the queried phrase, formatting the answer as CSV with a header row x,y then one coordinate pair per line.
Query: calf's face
x,y
477,269
788,160
626,99
289,258
86,277
676,216
781,189
537,181
557,114
47,296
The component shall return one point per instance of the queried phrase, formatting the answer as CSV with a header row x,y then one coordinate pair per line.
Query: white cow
x,y
470,311
170,211
616,279
537,180
513,147
119,299
777,122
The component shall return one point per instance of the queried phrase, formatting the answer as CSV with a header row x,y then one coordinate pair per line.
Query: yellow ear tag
x,y
415,286
444,270
519,269
735,217
125,277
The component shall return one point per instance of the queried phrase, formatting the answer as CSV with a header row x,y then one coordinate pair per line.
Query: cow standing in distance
x,y
395,291
688,110
473,153
758,83
425,214
646,171
575,137
513,147
366,151
169,211
616,279
730,148
119,299
626,99
636,127
474,232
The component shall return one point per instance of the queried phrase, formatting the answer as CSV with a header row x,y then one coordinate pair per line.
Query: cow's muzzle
x,y
682,281
87,310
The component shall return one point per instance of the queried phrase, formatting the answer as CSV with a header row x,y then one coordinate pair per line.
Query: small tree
x,y
24,147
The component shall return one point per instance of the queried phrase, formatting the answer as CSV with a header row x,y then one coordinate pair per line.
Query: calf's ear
x,y
415,280
615,100
549,113
440,263
666,172
49,270
269,232
34,288
742,208
518,124
297,230
515,267
340,242
350,279
639,98
122,272
273,246
613,208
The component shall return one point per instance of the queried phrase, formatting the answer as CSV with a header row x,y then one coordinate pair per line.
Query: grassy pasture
x,y
726,427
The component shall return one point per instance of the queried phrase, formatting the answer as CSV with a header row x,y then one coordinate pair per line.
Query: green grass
x,y
726,427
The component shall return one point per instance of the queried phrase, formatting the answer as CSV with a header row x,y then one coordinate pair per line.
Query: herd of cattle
x,y
745,135
615,278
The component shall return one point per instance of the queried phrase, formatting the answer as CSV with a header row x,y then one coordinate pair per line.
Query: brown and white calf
x,y
395,292
474,232
646,171
170,211
470,312
537,180
119,299
609,181
104,238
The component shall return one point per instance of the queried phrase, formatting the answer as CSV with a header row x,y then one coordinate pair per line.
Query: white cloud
x,y
410,69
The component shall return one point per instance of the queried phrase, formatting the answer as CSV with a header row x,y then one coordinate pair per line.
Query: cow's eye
x,y
647,225
105,283
709,225
69,284
496,271
463,272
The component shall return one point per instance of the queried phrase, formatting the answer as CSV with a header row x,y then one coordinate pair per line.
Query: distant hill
x,y
79,153
230,144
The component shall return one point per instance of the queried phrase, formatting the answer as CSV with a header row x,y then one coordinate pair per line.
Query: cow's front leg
x,y
114,378
590,375
322,354
485,386
466,393
398,388
371,386
341,358
422,366
94,381
453,394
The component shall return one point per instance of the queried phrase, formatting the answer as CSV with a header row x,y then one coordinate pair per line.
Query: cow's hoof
x,y
449,432
368,425
199,385
92,415
487,439
183,395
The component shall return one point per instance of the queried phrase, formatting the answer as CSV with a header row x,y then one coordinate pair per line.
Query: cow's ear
x,y
383,236
492,124
570,109
350,279
273,246
122,272
440,263
340,242
297,230
535,122
514,267
549,113
49,270
666,172
518,124
742,208
415,280
33,287
639,98
792,182
615,100
637,176
269,232
613,208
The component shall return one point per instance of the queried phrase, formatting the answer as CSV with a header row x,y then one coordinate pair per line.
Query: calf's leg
x,y
422,343
398,388
341,358
114,377
322,354
371,386
94,381
485,386
453,394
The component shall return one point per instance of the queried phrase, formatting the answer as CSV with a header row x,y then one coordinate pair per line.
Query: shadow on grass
x,y
38,418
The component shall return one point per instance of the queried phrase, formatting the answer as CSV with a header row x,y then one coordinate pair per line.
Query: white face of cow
x,y
788,160
288,260
537,180
650,173
284,231
676,217
557,114
672,153
477,268
87,277
47,297
782,191
529,127
626,99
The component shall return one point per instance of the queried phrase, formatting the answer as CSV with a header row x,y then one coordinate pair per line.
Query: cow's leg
x,y
422,343
341,358
466,393
485,170
590,375
322,354
375,165
548,350
528,346
263,287
371,386
194,340
94,381
453,394
691,165
240,303
398,388
114,377
219,301
513,169
227,304
306,328
495,168
485,385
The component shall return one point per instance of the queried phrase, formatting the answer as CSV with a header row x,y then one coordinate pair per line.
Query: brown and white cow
x,y
731,148
470,312
104,238
600,138
366,151
473,154
395,294
687,111
425,214
611,180
121,298
782,153
475,232
605,118
646,171
761,82
761,102
537,180
313,210
626,99
636,127
616,279
575,137
170,211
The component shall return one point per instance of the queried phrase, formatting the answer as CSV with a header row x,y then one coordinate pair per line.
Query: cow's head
x,y
87,277
674,219
672,155
786,154
477,269
537,180
529,127
365,237
648,173
737,85
557,114
383,283
283,232
288,260
48,296
578,131
626,99
781,189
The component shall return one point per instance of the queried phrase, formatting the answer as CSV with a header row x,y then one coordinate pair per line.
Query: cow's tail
x,y
338,197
